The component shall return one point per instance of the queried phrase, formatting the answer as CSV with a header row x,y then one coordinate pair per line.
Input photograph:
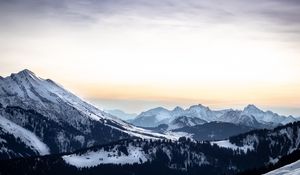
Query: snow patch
x,y
26,136
273,160
90,159
227,144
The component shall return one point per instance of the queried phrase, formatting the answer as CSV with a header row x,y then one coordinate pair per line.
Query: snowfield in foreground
x,y
291,169
90,159
26,136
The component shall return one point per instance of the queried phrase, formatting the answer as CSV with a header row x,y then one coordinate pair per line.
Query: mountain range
x,y
201,123
45,129
250,116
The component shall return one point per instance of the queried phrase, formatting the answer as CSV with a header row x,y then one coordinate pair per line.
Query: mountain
x,y
246,151
213,130
237,117
57,117
153,117
266,117
203,112
184,121
121,114
250,116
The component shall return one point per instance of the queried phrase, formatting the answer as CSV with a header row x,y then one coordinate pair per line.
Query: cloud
x,y
277,17
276,12
284,10
208,41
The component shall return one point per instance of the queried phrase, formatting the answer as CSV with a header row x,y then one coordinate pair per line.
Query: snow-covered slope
x,y
266,117
20,138
237,117
41,105
24,135
291,169
136,152
249,116
184,121
227,144
203,112
114,156
26,90
153,117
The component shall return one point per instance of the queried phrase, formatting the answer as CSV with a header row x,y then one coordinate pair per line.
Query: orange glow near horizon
x,y
215,96
166,60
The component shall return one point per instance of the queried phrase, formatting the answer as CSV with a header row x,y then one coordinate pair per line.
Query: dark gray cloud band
x,y
286,11
281,16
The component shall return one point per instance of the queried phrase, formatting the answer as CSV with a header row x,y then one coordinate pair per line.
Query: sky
x,y
139,54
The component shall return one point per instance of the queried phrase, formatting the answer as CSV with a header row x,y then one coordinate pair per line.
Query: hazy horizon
x,y
134,55
138,106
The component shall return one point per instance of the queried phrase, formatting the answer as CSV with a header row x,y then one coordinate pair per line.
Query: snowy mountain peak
x,y
199,106
184,121
26,71
177,109
252,108
25,74
154,111
160,109
24,77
